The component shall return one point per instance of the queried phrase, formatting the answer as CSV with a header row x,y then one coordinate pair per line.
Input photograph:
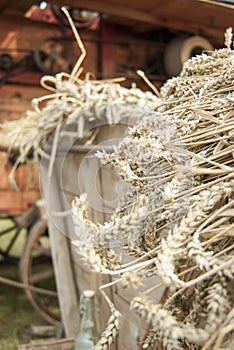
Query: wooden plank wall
x,y
18,38
16,202
14,101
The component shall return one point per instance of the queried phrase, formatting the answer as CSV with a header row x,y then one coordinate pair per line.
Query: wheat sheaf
x,y
177,217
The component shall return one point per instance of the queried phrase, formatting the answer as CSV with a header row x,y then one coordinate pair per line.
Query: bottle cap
x,y
88,294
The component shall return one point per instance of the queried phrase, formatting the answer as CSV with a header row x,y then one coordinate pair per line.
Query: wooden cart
x,y
75,172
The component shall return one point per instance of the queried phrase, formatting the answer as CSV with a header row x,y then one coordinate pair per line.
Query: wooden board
x,y
62,344
16,99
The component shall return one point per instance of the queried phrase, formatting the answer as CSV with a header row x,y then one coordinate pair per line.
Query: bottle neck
x,y
88,314
87,334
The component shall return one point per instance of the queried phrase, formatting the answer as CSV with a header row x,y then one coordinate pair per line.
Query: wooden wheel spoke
x,y
7,230
12,241
42,250
41,276
36,267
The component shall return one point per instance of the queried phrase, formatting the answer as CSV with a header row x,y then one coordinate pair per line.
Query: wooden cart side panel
x,y
71,274
71,277
75,182
61,256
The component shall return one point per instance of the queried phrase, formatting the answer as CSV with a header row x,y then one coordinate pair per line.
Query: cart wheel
x,y
9,234
36,270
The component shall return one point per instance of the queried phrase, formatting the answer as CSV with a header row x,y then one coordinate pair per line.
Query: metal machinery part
x,y
6,61
82,18
180,49
53,55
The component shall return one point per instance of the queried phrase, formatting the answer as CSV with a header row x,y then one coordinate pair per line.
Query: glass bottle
x,y
87,334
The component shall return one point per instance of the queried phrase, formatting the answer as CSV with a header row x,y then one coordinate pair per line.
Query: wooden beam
x,y
13,21
218,3
146,16
113,9
17,8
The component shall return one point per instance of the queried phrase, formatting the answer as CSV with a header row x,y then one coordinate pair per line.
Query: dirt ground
x,y
16,312
17,315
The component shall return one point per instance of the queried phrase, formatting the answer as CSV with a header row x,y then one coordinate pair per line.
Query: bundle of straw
x,y
177,218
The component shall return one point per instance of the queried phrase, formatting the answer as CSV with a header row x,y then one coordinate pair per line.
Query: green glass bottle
x,y
87,334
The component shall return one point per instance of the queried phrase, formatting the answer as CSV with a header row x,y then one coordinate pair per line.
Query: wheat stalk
x,y
110,333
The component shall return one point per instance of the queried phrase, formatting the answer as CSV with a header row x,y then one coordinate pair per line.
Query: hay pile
x,y
74,102
177,218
